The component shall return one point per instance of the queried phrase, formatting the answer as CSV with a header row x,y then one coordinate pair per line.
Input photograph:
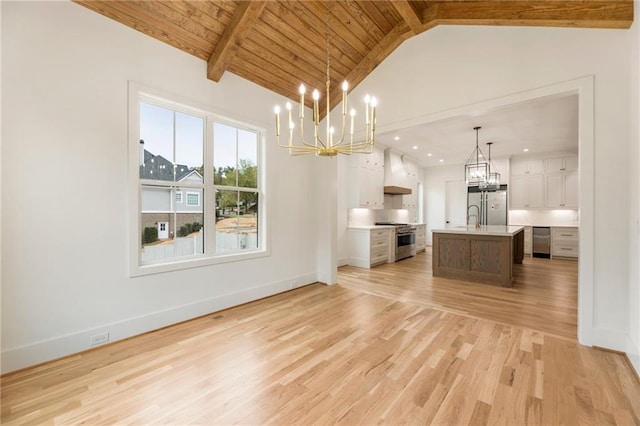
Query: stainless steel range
x,y
405,239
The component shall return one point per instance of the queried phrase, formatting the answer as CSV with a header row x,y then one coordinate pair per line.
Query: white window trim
x,y
179,197
137,92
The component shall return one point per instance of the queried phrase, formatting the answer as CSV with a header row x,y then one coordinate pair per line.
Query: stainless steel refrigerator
x,y
492,205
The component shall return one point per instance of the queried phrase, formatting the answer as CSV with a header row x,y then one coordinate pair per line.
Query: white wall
x,y
342,210
64,186
456,66
64,76
633,346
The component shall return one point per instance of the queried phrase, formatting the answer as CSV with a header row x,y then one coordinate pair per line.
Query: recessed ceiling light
x,y
429,155
397,138
441,160
526,150
415,147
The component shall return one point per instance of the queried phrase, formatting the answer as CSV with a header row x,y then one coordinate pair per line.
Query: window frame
x,y
140,93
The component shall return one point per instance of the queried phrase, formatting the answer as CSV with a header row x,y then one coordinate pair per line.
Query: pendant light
x,y
493,178
476,172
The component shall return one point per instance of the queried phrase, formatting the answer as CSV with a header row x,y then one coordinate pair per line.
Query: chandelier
x,y
332,144
476,172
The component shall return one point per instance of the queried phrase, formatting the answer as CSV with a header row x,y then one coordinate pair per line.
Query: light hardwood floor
x,y
335,355
544,295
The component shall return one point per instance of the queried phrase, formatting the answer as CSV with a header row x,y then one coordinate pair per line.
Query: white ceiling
x,y
541,126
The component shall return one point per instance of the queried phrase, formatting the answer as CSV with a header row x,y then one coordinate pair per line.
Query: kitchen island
x,y
484,254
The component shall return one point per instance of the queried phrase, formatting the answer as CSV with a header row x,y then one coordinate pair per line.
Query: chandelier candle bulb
x,y
353,114
302,91
374,103
277,111
316,109
288,106
367,99
345,87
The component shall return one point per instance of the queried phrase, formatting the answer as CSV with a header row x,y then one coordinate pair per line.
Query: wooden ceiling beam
x,y
409,15
540,13
244,18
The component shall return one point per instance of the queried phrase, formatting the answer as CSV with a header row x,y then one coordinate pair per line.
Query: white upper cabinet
x,y
366,180
562,191
527,167
410,201
526,192
561,164
550,183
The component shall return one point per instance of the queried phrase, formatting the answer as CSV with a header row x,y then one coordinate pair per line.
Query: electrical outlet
x,y
98,339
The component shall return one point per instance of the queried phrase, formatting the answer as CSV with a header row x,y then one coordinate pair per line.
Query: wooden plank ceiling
x,y
280,44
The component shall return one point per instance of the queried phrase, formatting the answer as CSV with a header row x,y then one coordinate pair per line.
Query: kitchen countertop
x,y
551,226
379,226
372,227
496,230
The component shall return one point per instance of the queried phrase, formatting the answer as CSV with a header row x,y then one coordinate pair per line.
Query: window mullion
x,y
209,200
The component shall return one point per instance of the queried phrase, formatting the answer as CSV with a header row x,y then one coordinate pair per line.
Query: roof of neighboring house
x,y
159,168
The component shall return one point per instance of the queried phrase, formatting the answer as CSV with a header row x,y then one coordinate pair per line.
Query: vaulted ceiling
x,y
279,44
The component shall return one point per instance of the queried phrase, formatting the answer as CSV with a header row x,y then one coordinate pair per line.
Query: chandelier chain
x,y
328,42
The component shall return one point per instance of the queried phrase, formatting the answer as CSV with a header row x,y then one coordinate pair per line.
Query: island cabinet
x,y
370,246
482,255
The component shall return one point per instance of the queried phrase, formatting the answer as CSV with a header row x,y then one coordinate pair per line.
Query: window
x,y
217,219
193,199
236,185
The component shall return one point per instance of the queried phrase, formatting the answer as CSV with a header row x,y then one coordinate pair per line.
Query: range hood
x,y
395,175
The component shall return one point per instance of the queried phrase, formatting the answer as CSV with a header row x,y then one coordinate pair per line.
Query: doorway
x,y
163,230
455,194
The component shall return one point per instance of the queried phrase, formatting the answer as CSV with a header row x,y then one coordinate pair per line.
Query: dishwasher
x,y
541,242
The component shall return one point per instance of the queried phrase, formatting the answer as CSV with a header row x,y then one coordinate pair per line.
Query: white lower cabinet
x,y
564,242
421,237
370,247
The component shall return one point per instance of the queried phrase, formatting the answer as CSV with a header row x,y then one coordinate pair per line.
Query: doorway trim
x,y
584,88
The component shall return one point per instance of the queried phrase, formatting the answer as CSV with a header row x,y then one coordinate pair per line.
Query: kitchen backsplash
x,y
368,217
544,217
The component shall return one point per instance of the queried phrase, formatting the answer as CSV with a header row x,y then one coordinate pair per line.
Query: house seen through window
x,y
191,206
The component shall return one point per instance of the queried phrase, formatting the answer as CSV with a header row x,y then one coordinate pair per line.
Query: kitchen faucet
x,y
477,216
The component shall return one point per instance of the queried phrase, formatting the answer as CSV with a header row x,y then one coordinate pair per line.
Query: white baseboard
x,y
57,347
609,339
343,261
633,353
